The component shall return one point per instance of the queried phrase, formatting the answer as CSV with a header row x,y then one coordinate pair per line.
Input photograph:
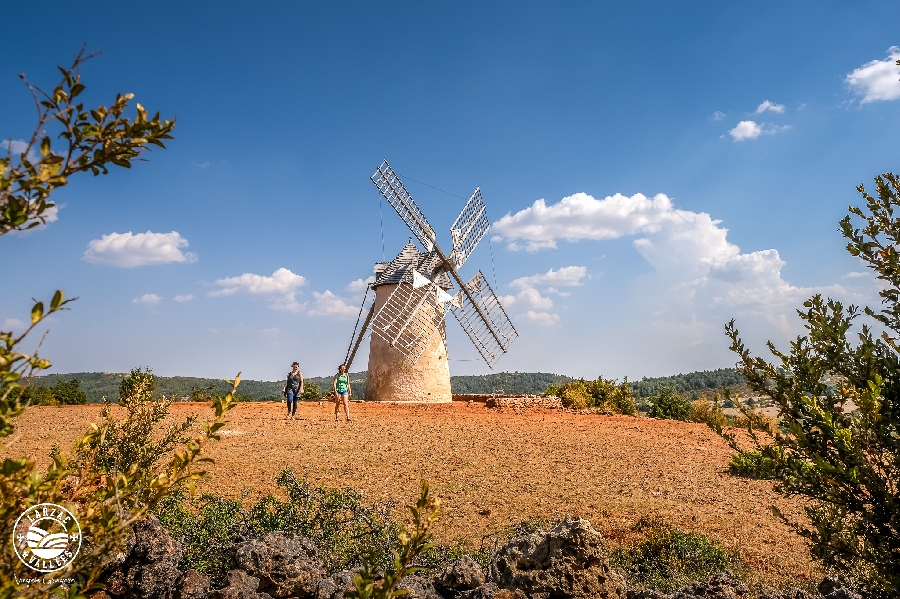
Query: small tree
x,y
311,390
670,404
841,449
69,392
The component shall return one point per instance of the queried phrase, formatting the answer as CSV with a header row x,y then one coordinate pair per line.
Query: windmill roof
x,y
400,269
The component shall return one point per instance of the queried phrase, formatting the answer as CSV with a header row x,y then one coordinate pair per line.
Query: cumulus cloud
x,y
12,324
280,288
183,298
779,108
529,296
567,276
718,116
328,304
360,285
689,251
127,250
752,130
16,148
540,318
150,299
878,79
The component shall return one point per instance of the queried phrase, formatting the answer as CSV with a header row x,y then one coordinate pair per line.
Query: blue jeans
x,y
292,401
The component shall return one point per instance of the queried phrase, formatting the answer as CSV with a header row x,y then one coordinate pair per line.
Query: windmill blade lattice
x,y
468,229
393,190
409,319
492,333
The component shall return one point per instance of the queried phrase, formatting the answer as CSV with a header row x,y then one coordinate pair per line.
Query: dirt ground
x,y
489,468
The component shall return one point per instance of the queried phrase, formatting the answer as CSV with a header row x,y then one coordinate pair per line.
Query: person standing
x,y
342,391
293,389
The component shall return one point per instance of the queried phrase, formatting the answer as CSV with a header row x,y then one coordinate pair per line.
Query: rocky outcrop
x,y
240,586
286,565
148,566
565,562
464,574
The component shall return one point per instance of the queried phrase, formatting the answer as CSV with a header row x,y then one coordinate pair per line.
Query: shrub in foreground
x,y
667,558
844,463
709,412
752,464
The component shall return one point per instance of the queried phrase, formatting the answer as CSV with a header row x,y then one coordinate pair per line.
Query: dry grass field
x,y
489,468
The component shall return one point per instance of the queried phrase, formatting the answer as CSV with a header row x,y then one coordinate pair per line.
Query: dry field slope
x,y
489,468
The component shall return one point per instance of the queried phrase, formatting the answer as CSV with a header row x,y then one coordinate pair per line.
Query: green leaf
x,y
37,312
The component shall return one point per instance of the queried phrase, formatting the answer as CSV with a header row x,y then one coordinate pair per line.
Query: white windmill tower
x,y
408,349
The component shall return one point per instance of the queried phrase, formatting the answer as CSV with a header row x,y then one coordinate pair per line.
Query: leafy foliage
x,y
311,390
667,558
845,462
671,405
137,387
62,393
606,395
709,412
92,140
412,544
752,464
336,520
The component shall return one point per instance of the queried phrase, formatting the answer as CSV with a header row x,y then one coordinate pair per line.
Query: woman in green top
x,y
342,391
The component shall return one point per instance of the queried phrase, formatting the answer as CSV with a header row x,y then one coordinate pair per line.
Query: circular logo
x,y
47,537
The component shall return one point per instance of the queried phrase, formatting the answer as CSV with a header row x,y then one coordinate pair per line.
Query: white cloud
x,y
878,79
779,108
127,250
855,275
746,130
360,285
183,298
688,251
12,324
540,318
718,116
752,130
16,147
280,288
272,332
567,276
328,304
528,296
151,299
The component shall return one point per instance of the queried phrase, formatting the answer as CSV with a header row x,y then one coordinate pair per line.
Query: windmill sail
x,y
486,323
409,318
470,226
393,190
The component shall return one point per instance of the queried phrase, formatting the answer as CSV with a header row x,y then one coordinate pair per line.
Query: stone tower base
x,y
392,378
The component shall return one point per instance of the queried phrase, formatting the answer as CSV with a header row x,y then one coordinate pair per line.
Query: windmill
x,y
408,348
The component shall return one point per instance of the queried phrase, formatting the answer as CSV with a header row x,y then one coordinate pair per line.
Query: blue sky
x,y
734,134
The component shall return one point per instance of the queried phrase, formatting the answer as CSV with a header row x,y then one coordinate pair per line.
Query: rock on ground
x,y
286,565
148,568
464,574
240,586
565,562
335,585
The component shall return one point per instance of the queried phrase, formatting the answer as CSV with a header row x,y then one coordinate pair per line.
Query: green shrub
x,y
844,463
69,392
667,558
670,404
752,464
137,387
37,395
336,520
311,390
708,411
606,395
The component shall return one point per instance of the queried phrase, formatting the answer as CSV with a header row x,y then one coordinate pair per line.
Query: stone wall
x,y
511,401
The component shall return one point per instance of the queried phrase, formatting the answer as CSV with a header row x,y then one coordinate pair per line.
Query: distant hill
x,y
692,384
106,384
